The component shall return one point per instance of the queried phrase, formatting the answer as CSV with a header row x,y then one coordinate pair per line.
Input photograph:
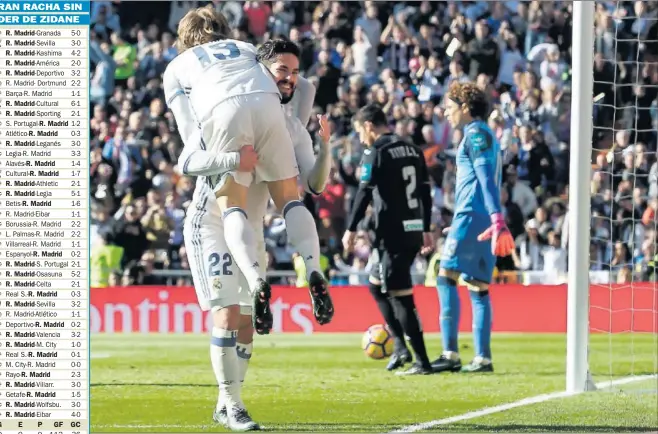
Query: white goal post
x,y
616,60
578,377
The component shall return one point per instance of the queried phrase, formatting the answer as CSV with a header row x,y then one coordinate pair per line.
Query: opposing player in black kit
x,y
394,177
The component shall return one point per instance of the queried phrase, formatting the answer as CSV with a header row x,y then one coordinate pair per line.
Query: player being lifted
x,y
394,175
478,232
223,98
204,231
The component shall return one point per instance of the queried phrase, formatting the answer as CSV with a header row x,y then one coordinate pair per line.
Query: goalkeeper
x,y
478,232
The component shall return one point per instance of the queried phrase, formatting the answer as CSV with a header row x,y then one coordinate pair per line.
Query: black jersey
x,y
394,177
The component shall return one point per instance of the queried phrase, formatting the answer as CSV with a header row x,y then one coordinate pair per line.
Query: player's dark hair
x,y
472,96
269,50
371,113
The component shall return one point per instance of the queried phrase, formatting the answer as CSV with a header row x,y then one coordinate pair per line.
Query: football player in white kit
x,y
213,271
224,99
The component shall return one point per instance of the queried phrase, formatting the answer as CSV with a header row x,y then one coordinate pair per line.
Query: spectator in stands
x,y
124,55
403,56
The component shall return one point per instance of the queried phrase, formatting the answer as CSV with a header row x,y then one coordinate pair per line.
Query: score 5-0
x,y
41,19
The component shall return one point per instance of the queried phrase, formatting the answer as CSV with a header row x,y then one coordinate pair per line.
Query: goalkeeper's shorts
x,y
463,252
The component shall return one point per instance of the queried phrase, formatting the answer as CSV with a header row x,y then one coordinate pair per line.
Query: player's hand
x,y
348,240
502,243
248,159
428,244
325,128
446,231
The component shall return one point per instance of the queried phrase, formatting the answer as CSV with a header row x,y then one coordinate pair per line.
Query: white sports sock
x,y
241,241
451,355
224,358
244,355
302,234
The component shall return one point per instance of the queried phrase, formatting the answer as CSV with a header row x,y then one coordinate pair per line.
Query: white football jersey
x,y
210,73
258,194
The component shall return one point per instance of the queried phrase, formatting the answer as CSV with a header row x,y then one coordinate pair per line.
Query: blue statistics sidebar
x,y
44,202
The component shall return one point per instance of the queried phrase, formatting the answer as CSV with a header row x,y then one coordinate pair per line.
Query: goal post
x,y
612,226
578,378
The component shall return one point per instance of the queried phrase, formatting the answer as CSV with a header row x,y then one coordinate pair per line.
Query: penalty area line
x,y
516,404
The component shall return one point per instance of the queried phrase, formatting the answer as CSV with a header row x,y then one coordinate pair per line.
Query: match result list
x,y
44,195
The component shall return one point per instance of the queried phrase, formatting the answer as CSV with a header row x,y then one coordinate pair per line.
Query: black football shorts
x,y
393,269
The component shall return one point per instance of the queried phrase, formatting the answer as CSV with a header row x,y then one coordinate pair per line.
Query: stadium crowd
x,y
402,55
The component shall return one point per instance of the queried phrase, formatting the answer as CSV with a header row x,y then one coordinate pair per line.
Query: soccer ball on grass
x,y
377,342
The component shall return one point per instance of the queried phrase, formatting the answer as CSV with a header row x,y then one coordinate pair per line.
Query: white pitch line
x,y
151,426
100,355
521,403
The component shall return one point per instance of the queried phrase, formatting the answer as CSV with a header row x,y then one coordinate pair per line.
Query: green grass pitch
x,y
164,383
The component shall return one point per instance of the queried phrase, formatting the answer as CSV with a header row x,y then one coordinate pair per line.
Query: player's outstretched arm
x,y
485,161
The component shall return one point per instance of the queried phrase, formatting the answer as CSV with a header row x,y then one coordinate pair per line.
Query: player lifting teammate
x,y
204,230
478,232
394,175
224,100
222,97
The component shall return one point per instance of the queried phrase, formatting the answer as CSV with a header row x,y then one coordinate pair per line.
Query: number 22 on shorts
x,y
220,265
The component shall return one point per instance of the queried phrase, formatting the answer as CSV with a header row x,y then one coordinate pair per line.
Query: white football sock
x,y
302,234
451,355
241,241
224,358
244,355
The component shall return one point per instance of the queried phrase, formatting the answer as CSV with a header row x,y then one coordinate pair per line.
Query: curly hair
x,y
472,96
269,50
200,26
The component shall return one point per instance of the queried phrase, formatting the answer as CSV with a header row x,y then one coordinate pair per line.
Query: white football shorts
x,y
256,119
218,281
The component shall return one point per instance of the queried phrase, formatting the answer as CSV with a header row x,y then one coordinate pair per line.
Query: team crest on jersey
x,y
479,141
216,284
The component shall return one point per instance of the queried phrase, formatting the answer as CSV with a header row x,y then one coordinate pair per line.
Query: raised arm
x,y
306,92
313,170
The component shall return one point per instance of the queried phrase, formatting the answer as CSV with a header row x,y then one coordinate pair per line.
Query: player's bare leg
x,y
405,310
244,349
303,235
225,363
241,241
401,354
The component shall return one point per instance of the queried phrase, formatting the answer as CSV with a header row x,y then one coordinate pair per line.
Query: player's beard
x,y
286,99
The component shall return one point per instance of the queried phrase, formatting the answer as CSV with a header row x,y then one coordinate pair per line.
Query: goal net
x,y
622,333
